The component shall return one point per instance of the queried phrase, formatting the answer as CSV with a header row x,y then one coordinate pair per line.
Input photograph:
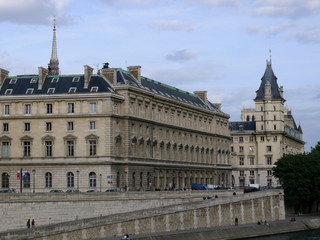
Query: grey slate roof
x,y
28,84
246,126
268,78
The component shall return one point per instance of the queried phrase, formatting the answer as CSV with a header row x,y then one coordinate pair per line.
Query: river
x,y
303,235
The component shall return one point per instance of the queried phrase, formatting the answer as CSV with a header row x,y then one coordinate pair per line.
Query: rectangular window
x,y
269,160
6,109
92,125
70,148
48,126
27,127
70,126
13,81
241,149
55,80
27,109
251,160
5,149
92,148
94,89
48,148
29,91
262,138
251,139
275,138
51,90
232,149
49,108
75,79
5,127
8,92
93,107
251,149
241,173
269,149
251,173
26,148
70,107
72,90
274,127
241,161
240,139
261,127
269,173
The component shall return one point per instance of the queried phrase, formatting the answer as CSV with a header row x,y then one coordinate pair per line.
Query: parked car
x,y
92,190
56,191
73,191
112,190
250,189
7,191
196,186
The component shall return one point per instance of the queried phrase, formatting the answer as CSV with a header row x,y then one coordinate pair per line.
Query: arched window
x,y
70,179
26,179
48,180
92,179
5,180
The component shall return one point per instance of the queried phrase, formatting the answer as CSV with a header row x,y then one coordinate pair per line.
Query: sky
x,y
220,46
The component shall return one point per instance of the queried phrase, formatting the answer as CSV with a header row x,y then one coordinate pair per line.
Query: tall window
x,y
5,149
26,148
268,148
5,127
241,161
93,107
27,127
70,180
5,180
92,147
70,148
48,126
269,160
70,107
241,173
269,173
275,138
70,126
48,146
92,125
27,109
262,138
92,179
141,178
133,179
49,108
240,139
48,180
241,149
251,173
251,139
251,159
26,180
6,109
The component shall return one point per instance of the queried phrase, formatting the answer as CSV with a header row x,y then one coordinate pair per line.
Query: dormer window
x,y
72,90
13,81
8,92
33,80
51,90
29,91
94,89
75,79
55,80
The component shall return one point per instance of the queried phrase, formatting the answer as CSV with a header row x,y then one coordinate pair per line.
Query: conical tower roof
x,y
53,65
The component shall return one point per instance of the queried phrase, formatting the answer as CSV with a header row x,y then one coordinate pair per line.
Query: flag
x,y
24,174
18,175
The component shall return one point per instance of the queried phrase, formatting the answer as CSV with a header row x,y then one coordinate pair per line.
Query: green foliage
x,y
300,178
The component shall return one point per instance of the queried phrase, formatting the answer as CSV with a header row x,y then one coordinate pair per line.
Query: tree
x,y
300,178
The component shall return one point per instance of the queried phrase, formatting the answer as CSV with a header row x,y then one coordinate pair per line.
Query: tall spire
x,y
53,65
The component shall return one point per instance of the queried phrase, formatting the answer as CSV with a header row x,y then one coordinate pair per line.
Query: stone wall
x,y
221,211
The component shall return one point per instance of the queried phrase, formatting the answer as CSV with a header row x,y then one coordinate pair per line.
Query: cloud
x,y
181,55
308,35
123,3
173,25
34,11
270,31
286,8
221,3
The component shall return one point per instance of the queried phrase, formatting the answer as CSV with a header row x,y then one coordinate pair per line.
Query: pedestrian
x,y
125,237
236,221
28,223
33,223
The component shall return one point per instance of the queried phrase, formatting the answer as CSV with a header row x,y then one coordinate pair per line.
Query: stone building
x,y
111,130
263,135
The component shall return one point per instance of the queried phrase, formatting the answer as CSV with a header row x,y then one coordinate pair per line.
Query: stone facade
x,y
264,135
111,130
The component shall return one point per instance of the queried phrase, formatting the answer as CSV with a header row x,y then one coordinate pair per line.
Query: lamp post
x,y
34,180
77,179
100,181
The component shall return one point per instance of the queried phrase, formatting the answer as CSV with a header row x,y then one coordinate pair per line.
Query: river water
x,y
303,235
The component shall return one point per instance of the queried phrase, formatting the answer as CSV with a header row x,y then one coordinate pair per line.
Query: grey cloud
x,y
181,55
173,25
34,11
270,31
286,8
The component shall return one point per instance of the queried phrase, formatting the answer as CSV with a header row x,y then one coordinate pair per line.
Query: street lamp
x,y
34,180
77,179
100,181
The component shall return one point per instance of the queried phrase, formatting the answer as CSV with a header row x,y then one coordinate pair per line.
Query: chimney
x,y
87,75
43,73
110,74
3,75
202,95
217,105
136,72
